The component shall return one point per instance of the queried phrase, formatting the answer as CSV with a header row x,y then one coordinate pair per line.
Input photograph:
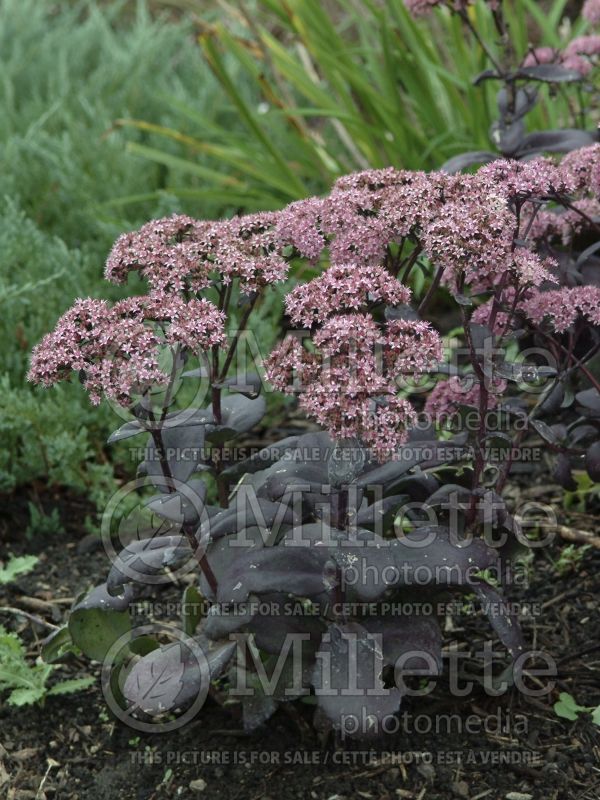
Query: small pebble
x,y
460,789
518,796
426,770
199,785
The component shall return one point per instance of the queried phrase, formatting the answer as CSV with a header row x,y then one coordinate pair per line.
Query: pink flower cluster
x,y
522,179
549,225
179,253
471,234
348,287
579,176
446,397
465,224
482,316
582,169
363,213
117,348
560,308
591,11
345,378
579,55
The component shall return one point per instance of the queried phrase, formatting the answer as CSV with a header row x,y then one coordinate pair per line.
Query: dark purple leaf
x,y
299,570
347,678
548,73
563,473
587,253
562,141
248,384
429,556
592,461
380,514
552,400
241,413
429,453
264,458
545,431
282,617
221,554
186,505
508,137
182,449
589,399
223,619
525,100
464,160
126,431
406,634
582,434
171,677
188,417
247,511
144,561
504,622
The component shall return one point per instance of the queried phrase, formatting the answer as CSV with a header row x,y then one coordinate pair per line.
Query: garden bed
x,y
73,749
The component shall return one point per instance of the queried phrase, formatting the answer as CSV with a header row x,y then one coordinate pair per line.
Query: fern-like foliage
x,y
15,566
27,683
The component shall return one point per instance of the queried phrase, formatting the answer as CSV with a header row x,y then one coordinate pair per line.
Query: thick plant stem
x,y
483,407
156,434
187,530
222,485
341,516
200,557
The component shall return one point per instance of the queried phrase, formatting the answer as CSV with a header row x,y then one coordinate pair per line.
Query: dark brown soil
x,y
72,749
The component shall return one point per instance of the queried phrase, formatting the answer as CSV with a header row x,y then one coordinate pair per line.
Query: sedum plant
x,y
305,549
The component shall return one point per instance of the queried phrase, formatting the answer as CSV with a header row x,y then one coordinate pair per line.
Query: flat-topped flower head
x,y
247,248
472,233
166,252
346,380
343,288
300,225
583,46
582,168
411,347
523,179
561,308
117,349
179,253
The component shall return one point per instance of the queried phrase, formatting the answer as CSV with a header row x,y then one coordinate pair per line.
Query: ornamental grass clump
x,y
395,496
